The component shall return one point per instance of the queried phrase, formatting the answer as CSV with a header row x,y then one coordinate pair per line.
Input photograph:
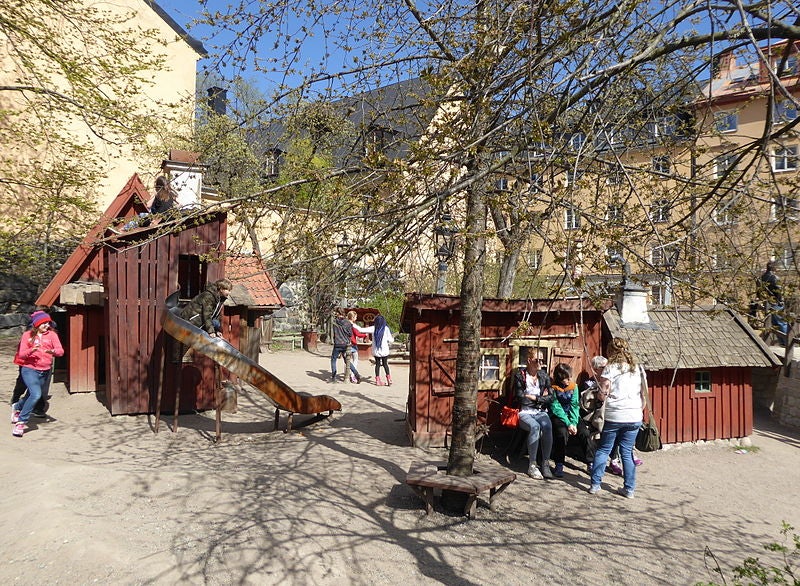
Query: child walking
x,y
35,355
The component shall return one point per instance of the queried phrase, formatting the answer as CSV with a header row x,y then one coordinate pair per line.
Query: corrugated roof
x,y
253,286
693,338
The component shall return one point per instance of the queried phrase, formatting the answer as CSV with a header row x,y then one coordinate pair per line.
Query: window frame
x,y
703,383
572,217
502,361
615,213
726,121
660,210
787,154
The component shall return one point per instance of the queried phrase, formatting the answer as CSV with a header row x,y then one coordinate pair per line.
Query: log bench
x,y
425,477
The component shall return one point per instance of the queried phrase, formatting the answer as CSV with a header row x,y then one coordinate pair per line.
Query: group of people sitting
x,y
601,419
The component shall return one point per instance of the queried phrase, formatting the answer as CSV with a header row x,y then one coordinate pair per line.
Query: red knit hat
x,y
40,317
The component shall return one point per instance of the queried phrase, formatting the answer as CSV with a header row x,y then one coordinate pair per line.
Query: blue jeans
x,y
623,434
538,426
346,352
36,381
776,309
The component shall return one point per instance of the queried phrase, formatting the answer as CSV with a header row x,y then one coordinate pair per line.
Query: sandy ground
x,y
92,498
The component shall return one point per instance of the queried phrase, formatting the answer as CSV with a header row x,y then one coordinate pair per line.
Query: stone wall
x,y
786,404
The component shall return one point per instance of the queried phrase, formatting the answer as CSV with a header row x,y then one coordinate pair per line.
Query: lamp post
x,y
444,239
342,248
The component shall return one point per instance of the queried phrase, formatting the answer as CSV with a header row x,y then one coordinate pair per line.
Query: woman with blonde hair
x,y
621,389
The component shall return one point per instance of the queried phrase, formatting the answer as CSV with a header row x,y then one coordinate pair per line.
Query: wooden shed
x,y
567,330
114,287
700,365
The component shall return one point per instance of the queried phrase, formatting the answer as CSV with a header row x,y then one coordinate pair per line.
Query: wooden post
x,y
160,387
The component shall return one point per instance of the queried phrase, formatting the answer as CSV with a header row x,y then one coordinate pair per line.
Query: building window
x,y
723,164
726,121
657,255
614,177
790,68
573,176
786,259
722,258
576,141
615,214
490,367
613,249
702,381
272,163
536,259
725,213
658,295
572,218
659,211
536,181
662,165
784,158
502,184
542,351
785,111
784,208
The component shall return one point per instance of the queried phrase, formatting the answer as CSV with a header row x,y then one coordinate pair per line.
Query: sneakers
x,y
594,489
378,381
534,473
559,471
628,494
332,379
18,430
546,471
39,414
14,415
637,461
615,467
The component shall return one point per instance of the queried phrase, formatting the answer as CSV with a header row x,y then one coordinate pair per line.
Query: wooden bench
x,y
425,477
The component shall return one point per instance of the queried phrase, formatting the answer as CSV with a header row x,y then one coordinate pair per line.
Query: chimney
x,y
631,300
218,100
185,173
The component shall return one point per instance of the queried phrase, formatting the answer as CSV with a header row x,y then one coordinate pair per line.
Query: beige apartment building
x,y
166,93
695,200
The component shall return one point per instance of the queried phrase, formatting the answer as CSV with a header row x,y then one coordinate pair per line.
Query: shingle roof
x,y
253,286
693,338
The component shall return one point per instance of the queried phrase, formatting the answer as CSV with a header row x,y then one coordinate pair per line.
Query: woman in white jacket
x,y
381,339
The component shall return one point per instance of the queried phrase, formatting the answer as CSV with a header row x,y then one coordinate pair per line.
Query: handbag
x,y
648,439
509,417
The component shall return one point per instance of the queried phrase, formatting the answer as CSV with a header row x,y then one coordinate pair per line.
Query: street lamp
x,y
444,239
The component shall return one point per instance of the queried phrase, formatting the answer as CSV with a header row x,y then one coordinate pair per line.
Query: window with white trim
x,y
572,218
536,259
660,210
662,164
725,212
723,164
702,381
784,111
784,208
784,158
492,369
502,184
658,295
726,121
786,259
615,214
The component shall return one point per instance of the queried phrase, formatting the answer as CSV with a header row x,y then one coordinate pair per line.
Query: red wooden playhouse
x,y
113,288
700,363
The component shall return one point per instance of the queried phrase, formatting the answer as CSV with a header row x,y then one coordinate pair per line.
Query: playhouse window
x,y
191,275
543,350
702,381
492,369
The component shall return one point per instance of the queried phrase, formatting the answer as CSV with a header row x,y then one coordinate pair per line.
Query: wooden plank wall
x,y
139,280
433,354
683,415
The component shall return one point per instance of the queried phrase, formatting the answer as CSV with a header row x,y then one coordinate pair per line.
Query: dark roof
x,y
693,338
190,40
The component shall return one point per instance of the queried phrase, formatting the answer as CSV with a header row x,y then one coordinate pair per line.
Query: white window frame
x,y
784,208
723,214
486,382
662,164
615,213
784,158
660,210
658,295
572,218
784,111
723,164
536,259
726,121
502,184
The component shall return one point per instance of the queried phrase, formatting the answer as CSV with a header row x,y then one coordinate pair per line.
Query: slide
x,y
221,352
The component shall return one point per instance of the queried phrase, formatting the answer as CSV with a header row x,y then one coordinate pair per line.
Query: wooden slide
x,y
221,352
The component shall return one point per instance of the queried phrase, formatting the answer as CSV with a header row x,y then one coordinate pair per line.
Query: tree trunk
x,y
508,273
465,401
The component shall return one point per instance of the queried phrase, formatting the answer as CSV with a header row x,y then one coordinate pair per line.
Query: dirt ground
x,y
92,498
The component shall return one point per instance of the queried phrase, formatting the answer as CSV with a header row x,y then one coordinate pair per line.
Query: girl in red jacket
x,y
35,354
